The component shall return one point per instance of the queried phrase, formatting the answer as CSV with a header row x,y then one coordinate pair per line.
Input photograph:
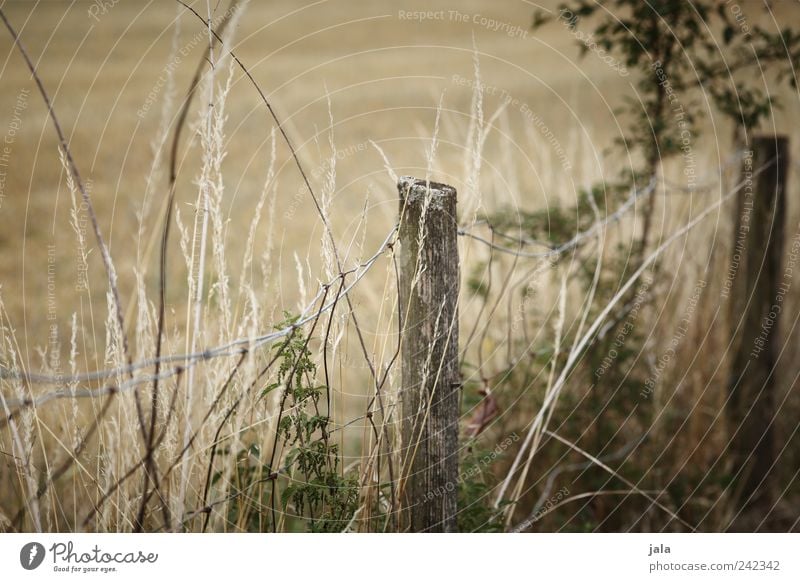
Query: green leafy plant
x,y
476,513
682,55
675,46
318,491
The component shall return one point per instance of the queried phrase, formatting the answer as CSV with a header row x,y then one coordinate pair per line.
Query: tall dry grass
x,y
200,448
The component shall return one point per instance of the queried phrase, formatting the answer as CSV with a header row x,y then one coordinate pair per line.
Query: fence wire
x,y
178,363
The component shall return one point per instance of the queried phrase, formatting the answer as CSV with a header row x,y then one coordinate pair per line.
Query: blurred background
x,y
366,90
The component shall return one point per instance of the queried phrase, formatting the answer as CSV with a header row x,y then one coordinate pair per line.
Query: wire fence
x,y
179,363
341,285
128,377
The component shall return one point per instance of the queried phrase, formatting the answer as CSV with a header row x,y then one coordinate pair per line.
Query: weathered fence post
x,y
758,289
428,285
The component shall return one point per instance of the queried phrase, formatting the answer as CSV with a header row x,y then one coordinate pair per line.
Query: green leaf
x,y
270,388
286,494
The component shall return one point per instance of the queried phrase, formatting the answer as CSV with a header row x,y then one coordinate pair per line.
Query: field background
x,y
384,77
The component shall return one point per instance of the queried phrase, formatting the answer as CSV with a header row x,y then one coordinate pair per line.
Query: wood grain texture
x,y
758,288
429,287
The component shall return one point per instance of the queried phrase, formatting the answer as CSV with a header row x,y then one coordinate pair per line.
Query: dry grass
x,y
359,90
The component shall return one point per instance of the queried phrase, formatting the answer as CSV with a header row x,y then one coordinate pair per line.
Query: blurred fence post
x,y
428,290
758,290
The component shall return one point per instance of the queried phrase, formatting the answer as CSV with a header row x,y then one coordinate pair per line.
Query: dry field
x,y
363,89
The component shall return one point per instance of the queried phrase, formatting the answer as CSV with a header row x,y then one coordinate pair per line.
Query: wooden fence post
x,y
428,289
758,289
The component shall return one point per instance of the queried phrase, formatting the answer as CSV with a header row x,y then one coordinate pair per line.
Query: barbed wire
x,y
245,345
575,241
232,348
181,362
706,184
